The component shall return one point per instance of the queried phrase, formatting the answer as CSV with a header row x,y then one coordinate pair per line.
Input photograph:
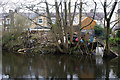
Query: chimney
x,y
91,10
10,11
37,10
17,9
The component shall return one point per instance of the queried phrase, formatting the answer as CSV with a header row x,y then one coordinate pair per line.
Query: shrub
x,y
118,34
99,31
12,39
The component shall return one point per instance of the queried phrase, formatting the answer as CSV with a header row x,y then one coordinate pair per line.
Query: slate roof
x,y
98,15
30,15
3,14
27,15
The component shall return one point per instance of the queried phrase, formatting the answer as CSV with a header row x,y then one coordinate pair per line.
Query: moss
x,y
36,50
36,53
34,37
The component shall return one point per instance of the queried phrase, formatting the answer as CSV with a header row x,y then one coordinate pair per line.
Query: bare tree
x,y
108,19
63,24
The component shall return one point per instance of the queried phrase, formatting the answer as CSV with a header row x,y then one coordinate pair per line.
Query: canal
x,y
58,66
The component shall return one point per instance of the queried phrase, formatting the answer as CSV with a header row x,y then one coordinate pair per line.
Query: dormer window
x,y
40,21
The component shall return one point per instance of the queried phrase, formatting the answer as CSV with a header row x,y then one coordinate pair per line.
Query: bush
x,y
11,40
99,31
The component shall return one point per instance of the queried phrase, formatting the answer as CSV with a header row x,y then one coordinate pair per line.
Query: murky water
x,y
58,66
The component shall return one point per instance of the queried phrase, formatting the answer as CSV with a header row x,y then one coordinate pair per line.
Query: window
x,y
53,20
8,21
0,22
40,21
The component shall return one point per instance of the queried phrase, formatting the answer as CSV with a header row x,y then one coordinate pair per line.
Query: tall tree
x,y
107,20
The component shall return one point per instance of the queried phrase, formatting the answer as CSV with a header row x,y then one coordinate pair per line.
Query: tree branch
x,y
113,8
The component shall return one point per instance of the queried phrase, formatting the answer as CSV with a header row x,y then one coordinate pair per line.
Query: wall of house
x,y
44,21
21,21
77,19
84,23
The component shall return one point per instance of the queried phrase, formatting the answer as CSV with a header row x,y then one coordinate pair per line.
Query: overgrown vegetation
x,y
115,39
13,38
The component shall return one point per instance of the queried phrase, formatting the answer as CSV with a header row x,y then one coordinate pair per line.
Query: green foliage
x,y
118,34
112,41
99,31
117,39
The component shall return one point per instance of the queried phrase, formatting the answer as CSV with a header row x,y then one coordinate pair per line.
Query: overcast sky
x,y
12,4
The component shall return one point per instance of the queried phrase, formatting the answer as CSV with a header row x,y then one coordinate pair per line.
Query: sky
x,y
11,4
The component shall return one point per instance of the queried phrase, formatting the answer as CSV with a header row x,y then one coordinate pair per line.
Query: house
x,y
4,20
40,21
7,19
99,17
43,20
13,20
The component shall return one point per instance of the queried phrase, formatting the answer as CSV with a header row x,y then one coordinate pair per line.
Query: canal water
x,y
58,66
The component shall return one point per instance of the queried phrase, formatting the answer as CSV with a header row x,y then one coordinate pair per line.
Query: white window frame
x,y
41,21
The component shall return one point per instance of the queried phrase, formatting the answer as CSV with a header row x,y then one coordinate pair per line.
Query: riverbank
x,y
32,43
39,43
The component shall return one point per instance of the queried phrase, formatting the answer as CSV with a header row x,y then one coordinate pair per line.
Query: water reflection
x,y
58,66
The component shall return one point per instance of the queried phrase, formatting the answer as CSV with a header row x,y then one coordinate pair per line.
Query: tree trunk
x,y
107,49
66,29
79,26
